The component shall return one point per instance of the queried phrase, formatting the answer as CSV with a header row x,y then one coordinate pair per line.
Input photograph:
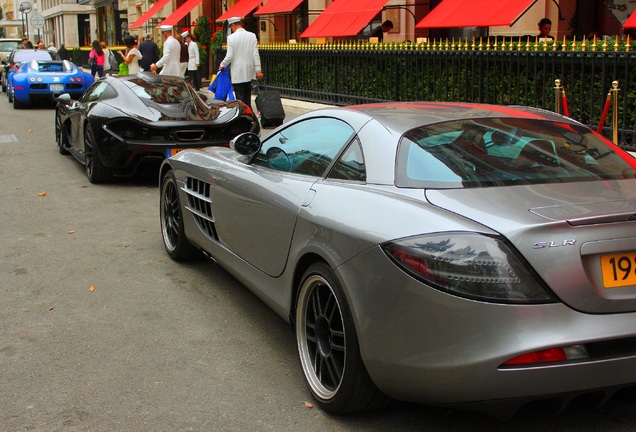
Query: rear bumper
x,y
423,345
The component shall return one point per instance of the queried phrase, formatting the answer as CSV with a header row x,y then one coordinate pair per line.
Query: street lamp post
x,y
25,8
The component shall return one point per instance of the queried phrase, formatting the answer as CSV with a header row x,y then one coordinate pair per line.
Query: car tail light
x,y
470,265
548,356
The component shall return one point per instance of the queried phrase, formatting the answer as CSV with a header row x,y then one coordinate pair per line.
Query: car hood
x,y
562,230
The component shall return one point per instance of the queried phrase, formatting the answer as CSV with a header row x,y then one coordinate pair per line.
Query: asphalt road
x,y
101,331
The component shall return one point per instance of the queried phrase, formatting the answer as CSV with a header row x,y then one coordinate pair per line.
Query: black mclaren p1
x,y
123,122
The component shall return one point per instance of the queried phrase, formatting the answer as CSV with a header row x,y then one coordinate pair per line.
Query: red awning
x,y
240,9
344,18
181,11
475,13
149,13
278,6
631,21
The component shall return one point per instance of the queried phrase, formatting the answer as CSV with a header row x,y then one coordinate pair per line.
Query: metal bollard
x,y
614,92
557,96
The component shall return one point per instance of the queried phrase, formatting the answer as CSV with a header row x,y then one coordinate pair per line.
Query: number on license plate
x,y
56,87
618,270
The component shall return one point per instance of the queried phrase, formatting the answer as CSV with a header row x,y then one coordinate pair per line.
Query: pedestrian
x,y
108,68
149,52
41,45
545,26
54,53
169,63
183,55
64,53
132,55
96,59
379,31
193,61
242,55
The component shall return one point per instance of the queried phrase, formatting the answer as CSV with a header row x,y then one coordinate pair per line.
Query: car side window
x,y
307,147
95,92
350,166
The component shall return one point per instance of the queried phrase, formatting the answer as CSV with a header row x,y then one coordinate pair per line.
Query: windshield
x,y
24,56
507,151
162,92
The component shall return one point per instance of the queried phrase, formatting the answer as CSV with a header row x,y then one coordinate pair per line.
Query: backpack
x,y
113,62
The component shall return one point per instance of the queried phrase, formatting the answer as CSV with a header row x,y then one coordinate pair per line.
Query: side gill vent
x,y
200,205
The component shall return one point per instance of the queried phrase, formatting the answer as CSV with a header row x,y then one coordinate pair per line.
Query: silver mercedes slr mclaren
x,y
462,255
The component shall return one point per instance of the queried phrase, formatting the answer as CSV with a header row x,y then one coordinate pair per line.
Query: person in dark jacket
x,y
380,30
184,56
149,52
64,53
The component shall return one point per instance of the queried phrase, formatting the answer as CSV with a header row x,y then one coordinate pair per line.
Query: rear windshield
x,y
7,46
506,151
162,92
57,66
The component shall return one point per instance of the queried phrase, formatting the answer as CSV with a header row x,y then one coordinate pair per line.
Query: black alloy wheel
x,y
95,169
175,241
60,135
328,346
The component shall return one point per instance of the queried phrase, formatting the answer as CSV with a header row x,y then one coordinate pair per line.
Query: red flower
x,y
193,23
204,47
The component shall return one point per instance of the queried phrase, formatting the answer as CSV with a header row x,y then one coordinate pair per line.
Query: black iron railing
x,y
505,72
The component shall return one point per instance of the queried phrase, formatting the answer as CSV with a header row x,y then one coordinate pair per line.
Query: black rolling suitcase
x,y
270,108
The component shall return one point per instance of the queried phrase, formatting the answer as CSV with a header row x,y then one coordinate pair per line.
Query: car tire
x,y
61,136
16,103
9,95
175,241
328,346
96,171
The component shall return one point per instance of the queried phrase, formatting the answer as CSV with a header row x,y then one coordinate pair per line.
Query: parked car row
x,y
460,255
32,75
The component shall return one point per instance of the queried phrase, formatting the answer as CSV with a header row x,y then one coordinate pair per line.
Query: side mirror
x,y
246,144
64,98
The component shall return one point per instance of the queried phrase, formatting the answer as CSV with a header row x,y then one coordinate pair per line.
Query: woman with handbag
x,y
96,59
132,56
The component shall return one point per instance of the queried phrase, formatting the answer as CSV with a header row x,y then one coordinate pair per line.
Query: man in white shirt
x,y
171,51
193,60
242,55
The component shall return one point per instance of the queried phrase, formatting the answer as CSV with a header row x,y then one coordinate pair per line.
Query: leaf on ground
x,y
51,308
71,231
91,288
308,405
42,194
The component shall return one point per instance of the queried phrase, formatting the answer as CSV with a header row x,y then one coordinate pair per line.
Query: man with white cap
x,y
171,52
242,54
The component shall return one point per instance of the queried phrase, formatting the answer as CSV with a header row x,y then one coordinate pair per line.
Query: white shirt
x,y
171,58
242,55
193,55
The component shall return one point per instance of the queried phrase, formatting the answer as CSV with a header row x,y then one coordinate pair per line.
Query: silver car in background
x,y
459,255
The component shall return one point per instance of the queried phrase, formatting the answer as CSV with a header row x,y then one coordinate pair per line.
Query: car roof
x,y
403,116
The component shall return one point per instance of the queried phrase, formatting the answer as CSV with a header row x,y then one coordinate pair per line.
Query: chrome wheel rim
x,y
321,337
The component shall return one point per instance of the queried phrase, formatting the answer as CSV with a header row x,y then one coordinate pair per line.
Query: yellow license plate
x,y
618,270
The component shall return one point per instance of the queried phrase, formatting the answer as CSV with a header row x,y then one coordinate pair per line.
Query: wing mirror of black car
x,y
246,144
65,98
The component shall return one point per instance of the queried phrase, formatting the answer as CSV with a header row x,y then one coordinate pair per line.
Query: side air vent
x,y
200,205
